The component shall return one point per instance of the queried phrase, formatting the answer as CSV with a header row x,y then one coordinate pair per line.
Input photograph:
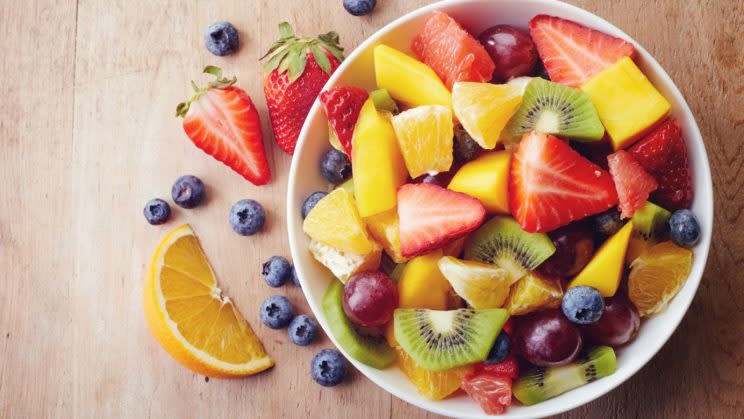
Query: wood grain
x,y
87,96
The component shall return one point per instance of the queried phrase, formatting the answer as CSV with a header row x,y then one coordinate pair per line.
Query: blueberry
x,y
247,217
335,166
295,278
311,201
221,38
499,350
465,148
328,368
608,222
582,304
276,312
302,330
157,211
276,271
359,7
188,191
684,228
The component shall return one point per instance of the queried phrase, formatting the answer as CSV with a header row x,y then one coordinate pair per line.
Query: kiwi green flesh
x,y
553,108
383,101
368,350
542,384
650,222
502,242
442,340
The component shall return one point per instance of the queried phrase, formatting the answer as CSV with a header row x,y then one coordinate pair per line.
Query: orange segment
x,y
425,139
335,222
191,318
431,384
534,292
657,275
483,109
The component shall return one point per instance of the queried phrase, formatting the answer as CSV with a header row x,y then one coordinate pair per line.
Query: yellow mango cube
x,y
376,161
422,285
486,179
605,269
627,103
384,227
408,80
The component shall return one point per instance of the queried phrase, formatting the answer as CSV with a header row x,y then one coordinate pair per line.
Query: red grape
x,y
547,338
574,247
618,325
511,49
370,299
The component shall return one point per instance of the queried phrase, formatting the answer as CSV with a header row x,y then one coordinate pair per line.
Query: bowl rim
x,y
701,250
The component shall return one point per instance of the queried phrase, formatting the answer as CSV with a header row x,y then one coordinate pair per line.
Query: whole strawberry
x,y
296,71
221,120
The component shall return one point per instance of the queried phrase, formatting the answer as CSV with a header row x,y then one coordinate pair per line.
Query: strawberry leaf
x,y
285,31
297,66
275,60
321,58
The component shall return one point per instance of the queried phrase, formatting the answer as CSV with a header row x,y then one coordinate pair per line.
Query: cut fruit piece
x,y
191,318
342,105
408,80
486,179
431,384
451,51
483,109
493,392
552,185
663,154
335,221
479,284
376,162
534,292
632,183
542,384
422,285
657,276
454,248
649,227
503,243
425,138
344,264
628,104
573,53
605,269
348,186
441,340
384,227
431,216
383,101
368,350
333,139
552,108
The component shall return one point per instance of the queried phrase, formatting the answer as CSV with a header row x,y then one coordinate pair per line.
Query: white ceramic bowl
x,y
476,15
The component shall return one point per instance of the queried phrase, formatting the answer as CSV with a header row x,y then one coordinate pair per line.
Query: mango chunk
x,y
486,179
605,269
408,80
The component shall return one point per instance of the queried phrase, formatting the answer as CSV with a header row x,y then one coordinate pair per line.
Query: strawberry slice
x,y
552,185
431,216
633,184
506,368
342,106
573,53
664,156
222,120
492,391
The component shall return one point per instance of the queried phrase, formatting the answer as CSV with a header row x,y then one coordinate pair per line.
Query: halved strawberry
x,y
342,105
633,184
664,156
492,391
552,185
573,53
506,368
431,216
222,120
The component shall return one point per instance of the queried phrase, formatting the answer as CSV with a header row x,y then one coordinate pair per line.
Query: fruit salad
x,y
504,210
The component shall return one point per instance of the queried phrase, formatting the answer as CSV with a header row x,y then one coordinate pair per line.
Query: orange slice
x,y
657,275
431,384
191,318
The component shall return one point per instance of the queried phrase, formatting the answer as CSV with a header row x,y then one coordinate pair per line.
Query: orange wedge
x,y
191,318
657,275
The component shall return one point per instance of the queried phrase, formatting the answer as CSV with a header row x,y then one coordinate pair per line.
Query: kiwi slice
x,y
441,340
502,242
553,108
649,227
383,101
369,350
542,384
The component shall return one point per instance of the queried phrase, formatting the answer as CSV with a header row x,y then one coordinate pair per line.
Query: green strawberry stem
x,y
289,53
220,82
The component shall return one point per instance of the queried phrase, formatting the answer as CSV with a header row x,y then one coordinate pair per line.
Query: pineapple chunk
x,y
343,264
627,103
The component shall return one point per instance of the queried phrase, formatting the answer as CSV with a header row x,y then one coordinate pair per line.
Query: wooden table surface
x,y
87,97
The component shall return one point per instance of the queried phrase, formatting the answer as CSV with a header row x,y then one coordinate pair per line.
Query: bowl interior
x,y
476,15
